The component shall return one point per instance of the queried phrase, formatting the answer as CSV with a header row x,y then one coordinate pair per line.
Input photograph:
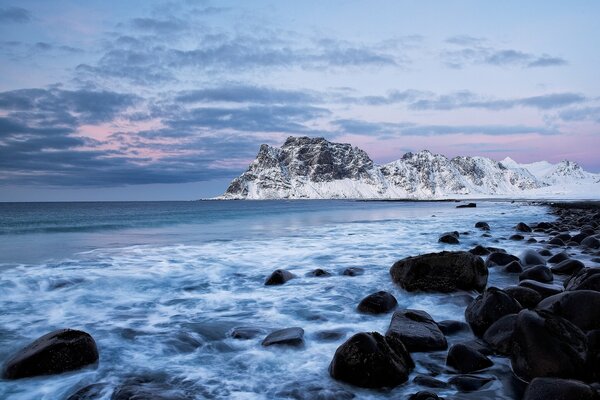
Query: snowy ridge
x,y
314,168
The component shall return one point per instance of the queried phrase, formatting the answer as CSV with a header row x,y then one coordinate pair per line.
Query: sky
x,y
149,100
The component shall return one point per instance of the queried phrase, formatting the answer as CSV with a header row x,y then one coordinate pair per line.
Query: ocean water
x,y
161,285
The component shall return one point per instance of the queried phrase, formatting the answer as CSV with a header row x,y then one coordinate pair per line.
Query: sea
x,y
161,285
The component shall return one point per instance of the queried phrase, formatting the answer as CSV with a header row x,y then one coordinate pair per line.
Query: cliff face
x,y
316,168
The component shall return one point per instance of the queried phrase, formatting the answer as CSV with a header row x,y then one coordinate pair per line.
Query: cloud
x,y
159,26
14,14
243,93
386,129
477,51
581,114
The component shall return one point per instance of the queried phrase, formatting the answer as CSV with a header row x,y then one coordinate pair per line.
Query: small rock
x,y
568,267
279,277
539,273
417,330
556,242
558,258
544,289
489,307
500,258
54,353
378,303
581,307
560,389
513,267
353,271
293,337
532,257
585,279
522,227
465,359
369,360
479,251
449,238
527,297
499,335
591,242
424,395
469,383
319,273
428,381
450,327
469,205
246,332
330,335
484,226
516,237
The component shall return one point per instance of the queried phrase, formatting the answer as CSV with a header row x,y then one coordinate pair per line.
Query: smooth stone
x,y
279,277
293,337
513,267
479,251
450,327
353,271
522,227
556,242
546,345
377,303
424,395
449,238
499,335
532,257
319,273
581,307
545,253
417,330
527,297
559,389
469,383
147,388
544,289
500,259
568,267
465,359
369,360
558,258
539,273
246,332
469,205
441,272
516,237
329,335
482,225
489,307
54,353
591,242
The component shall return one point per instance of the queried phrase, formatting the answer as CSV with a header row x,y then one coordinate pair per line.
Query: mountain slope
x,y
315,168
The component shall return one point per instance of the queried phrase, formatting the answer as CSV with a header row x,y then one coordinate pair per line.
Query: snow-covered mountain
x,y
315,168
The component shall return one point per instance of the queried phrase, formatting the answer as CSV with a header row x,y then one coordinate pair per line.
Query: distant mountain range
x,y
314,168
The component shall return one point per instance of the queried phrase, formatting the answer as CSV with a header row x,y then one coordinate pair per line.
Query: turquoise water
x,y
160,286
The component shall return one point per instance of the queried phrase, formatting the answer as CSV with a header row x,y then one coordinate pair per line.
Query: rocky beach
x,y
537,336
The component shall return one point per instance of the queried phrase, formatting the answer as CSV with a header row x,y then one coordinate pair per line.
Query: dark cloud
x,y
465,40
14,14
591,113
159,26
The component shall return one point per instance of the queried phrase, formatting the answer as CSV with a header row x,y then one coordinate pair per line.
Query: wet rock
x,y
531,240
499,335
54,353
500,259
546,345
353,271
319,273
469,205
527,297
479,345
91,392
539,273
450,327
568,267
545,253
465,359
479,251
469,383
417,330
516,237
532,257
377,303
329,335
522,227
489,307
544,225
441,272
544,289
585,279
579,237
429,381
513,267
246,332
593,358
424,395
558,258
149,388
293,337
556,242
279,277
581,307
369,360
591,242
449,238
560,389
484,226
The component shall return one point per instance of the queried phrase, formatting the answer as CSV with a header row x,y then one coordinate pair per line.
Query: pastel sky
x,y
143,100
